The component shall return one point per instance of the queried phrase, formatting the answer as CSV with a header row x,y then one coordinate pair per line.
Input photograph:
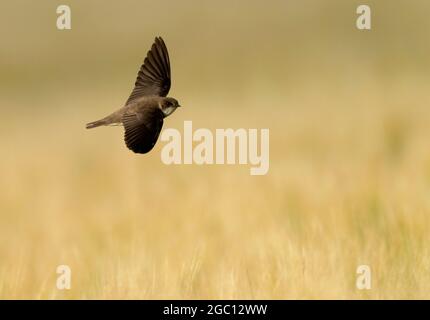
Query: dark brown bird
x,y
143,113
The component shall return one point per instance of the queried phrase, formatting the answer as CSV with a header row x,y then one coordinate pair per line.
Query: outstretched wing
x,y
142,129
154,75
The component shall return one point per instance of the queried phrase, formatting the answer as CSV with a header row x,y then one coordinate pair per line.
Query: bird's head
x,y
168,105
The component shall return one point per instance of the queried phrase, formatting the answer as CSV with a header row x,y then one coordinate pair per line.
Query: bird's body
x,y
143,114
136,107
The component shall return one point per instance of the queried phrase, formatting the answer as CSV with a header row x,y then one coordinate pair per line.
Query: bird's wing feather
x,y
154,75
142,129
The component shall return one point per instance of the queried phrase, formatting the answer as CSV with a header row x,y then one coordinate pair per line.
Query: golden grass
x,y
348,185
349,176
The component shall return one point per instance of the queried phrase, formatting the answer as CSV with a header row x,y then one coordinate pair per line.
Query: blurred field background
x,y
349,180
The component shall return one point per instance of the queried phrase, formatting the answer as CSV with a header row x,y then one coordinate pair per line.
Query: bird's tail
x,y
96,124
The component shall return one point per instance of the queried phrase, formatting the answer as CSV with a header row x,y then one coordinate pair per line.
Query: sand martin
x,y
143,113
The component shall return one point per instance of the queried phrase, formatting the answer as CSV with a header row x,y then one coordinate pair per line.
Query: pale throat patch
x,y
168,111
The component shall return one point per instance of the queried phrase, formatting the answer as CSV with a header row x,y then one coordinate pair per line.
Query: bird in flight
x,y
145,110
